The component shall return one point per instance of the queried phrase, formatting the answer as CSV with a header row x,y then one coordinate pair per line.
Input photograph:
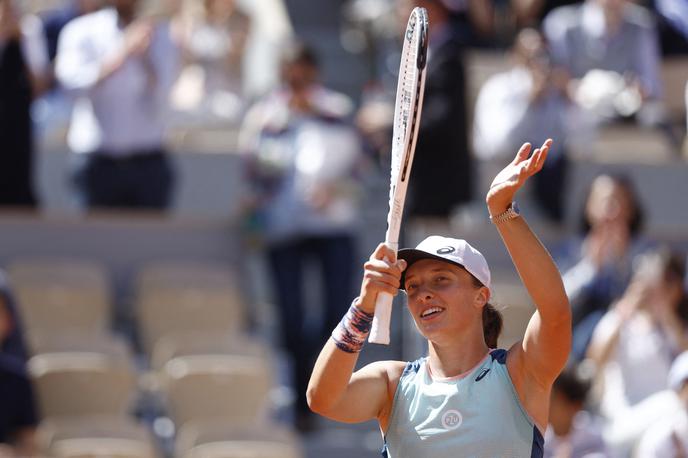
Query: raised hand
x,y
382,273
512,177
138,37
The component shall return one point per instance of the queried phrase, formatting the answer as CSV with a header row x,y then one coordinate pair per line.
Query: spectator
x,y
672,24
610,47
644,331
22,76
55,20
530,13
18,417
13,344
302,153
572,432
675,12
597,268
670,436
120,68
517,106
214,40
635,343
435,191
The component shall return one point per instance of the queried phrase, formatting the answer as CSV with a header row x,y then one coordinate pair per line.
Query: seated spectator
x,y
610,48
120,68
670,436
13,344
518,106
18,416
634,344
597,267
214,38
572,431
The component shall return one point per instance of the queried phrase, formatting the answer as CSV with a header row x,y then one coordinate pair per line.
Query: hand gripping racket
x,y
409,101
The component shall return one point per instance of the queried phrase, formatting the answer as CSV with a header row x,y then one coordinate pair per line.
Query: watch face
x,y
514,207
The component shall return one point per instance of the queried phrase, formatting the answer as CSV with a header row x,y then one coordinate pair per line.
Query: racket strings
x,y
407,102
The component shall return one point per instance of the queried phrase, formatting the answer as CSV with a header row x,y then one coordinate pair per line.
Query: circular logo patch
x,y
452,419
446,250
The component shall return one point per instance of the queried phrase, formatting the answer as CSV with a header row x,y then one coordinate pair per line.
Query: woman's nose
x,y
424,293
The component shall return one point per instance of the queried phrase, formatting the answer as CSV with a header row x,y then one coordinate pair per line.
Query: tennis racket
x,y
409,100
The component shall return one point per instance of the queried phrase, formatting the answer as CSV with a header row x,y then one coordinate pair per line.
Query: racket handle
x,y
379,332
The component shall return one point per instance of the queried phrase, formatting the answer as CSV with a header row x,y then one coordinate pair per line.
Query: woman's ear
x,y
482,296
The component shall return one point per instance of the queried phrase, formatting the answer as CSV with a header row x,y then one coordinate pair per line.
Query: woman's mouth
x,y
431,312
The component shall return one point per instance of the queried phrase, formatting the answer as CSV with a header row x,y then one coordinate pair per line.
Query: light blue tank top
x,y
476,415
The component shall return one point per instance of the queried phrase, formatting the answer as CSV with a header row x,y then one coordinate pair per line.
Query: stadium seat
x,y
60,342
630,143
176,309
222,440
82,383
205,343
674,73
96,437
185,274
61,294
210,387
58,269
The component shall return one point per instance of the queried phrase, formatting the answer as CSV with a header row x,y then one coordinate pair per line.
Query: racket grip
x,y
379,332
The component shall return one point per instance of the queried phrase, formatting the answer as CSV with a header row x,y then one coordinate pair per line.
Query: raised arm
x,y
78,68
335,390
538,359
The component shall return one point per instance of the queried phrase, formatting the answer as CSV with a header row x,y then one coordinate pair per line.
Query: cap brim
x,y
412,255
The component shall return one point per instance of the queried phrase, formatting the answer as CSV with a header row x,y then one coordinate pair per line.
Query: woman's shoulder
x,y
392,370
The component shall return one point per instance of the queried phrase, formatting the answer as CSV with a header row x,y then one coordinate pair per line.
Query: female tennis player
x,y
466,398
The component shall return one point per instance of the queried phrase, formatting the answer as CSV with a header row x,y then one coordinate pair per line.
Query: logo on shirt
x,y
482,374
452,419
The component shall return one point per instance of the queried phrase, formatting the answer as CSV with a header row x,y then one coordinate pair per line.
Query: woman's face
x,y
442,297
609,200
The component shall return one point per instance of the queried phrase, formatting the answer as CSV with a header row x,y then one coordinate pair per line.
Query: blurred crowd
x,y
123,72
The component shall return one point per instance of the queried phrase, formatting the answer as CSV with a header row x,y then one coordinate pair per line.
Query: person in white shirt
x,y
303,162
611,50
635,343
518,105
670,436
120,69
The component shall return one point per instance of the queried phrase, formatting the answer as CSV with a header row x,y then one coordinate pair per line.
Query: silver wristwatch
x,y
511,212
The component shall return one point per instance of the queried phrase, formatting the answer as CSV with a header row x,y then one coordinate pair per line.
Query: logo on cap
x,y
446,250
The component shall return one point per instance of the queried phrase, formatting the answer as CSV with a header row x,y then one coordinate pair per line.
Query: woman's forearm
x,y
330,378
536,268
